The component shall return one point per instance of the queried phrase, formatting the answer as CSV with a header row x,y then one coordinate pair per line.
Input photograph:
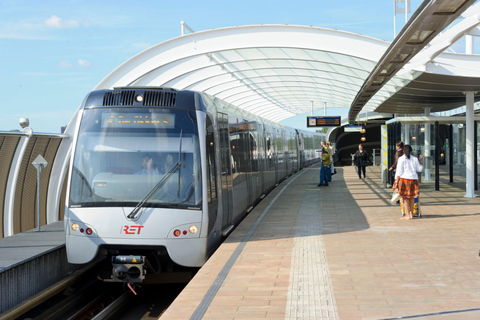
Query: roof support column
x,y
469,44
407,134
428,158
470,187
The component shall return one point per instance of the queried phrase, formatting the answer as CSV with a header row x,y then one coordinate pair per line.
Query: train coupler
x,y
129,269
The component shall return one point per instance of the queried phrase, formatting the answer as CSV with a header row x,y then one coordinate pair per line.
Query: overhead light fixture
x,y
363,130
363,138
422,129
449,7
420,36
400,57
414,138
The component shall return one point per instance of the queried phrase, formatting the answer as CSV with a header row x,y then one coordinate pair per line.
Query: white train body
x,y
206,161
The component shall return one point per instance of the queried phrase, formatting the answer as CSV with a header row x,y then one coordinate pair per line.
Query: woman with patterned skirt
x,y
406,179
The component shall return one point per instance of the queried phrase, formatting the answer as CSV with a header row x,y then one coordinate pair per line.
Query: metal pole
x,y
406,11
470,190
38,198
450,147
39,163
394,19
427,158
437,156
475,158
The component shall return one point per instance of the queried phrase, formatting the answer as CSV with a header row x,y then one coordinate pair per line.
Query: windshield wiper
x,y
160,184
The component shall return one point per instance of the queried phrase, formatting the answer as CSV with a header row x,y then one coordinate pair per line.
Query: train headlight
x,y
75,226
139,98
193,229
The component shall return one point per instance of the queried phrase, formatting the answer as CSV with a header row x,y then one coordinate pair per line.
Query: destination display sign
x,y
138,120
323,121
353,129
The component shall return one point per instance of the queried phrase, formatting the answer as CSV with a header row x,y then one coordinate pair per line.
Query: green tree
x,y
323,130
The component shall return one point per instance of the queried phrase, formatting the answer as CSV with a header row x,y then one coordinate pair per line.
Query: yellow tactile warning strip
x,y
380,267
310,294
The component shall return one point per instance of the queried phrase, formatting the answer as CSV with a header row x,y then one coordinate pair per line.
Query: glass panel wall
x,y
459,151
422,139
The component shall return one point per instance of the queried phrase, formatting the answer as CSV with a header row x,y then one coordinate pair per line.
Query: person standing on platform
x,y
332,157
361,161
325,173
406,179
398,154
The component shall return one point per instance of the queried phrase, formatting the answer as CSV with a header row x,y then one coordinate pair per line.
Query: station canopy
x,y
274,71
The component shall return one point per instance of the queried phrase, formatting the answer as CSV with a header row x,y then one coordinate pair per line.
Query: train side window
x,y
211,171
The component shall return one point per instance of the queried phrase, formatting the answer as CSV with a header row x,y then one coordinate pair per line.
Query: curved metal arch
x,y
234,83
212,75
340,86
210,89
153,74
305,85
181,57
246,36
315,95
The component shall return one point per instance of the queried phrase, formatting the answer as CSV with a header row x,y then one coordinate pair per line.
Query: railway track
x,y
81,296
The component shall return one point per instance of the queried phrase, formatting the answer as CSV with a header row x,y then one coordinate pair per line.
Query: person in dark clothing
x,y
398,154
325,171
361,161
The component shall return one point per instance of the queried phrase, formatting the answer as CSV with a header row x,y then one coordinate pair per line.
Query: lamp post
x,y
39,163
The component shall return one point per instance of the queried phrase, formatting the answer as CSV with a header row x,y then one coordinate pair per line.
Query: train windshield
x,y
122,154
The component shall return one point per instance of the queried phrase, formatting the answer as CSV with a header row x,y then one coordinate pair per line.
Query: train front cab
x,y
123,153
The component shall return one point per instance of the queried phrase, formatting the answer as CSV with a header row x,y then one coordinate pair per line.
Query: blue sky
x,y
52,53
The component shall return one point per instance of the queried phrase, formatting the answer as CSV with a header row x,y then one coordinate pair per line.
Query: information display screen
x,y
323,121
138,120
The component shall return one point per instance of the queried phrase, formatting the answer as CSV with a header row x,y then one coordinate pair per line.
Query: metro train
x,y
158,177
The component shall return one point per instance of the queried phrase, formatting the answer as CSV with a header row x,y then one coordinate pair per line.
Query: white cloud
x,y
65,64
84,63
56,22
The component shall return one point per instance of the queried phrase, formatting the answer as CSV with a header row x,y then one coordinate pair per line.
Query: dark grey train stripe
x,y
212,291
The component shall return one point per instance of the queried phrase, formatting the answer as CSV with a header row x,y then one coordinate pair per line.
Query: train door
x,y
247,138
227,201
211,175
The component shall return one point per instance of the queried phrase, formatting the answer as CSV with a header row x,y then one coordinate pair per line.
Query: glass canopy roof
x,y
274,71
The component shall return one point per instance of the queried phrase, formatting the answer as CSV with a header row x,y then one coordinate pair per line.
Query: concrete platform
x,y
30,262
342,252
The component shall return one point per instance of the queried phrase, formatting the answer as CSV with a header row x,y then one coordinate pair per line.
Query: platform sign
x,y
353,129
323,121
